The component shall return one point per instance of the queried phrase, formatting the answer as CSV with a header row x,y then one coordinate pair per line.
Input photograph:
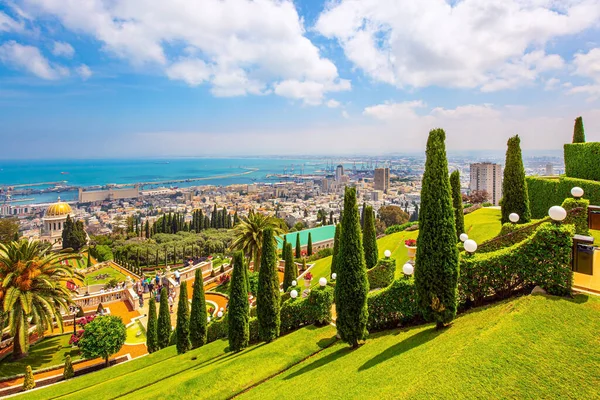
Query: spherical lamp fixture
x,y
387,254
220,314
333,276
463,237
322,281
577,192
408,269
294,283
557,213
294,294
514,218
470,246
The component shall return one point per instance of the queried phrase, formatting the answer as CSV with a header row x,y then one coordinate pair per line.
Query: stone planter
x,y
307,283
412,252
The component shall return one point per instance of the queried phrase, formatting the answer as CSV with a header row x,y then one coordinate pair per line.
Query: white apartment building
x,y
487,176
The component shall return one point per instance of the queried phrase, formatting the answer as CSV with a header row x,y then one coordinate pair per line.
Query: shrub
x,y
543,259
163,329
103,337
370,238
393,305
487,204
217,329
400,228
510,234
290,270
469,209
151,330
253,282
515,198
577,214
582,160
314,309
578,132
29,382
326,252
382,274
68,371
547,192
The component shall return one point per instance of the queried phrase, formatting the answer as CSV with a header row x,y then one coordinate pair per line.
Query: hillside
x,y
529,347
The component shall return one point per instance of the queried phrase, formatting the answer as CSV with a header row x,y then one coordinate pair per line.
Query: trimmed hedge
x,y
543,259
382,274
582,160
578,217
509,235
547,192
399,228
393,306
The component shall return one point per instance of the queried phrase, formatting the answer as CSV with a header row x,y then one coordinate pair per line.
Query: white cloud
x,y
333,103
237,46
491,44
31,59
345,114
588,66
7,24
468,111
394,111
551,83
84,71
63,49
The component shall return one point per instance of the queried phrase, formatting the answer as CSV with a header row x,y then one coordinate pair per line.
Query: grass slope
x,y
207,372
90,279
483,224
530,347
46,353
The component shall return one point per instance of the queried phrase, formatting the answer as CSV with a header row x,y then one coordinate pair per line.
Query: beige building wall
x,y
488,177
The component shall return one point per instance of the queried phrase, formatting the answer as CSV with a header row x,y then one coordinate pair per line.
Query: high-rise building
x,y
339,172
487,176
549,170
382,179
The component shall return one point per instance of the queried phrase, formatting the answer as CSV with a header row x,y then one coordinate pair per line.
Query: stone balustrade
x,y
102,298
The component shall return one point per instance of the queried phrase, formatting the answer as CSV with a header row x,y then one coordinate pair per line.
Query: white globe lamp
x,y
220,314
470,246
294,283
463,237
294,294
207,319
514,218
577,192
408,269
557,213
322,281
334,276
221,309
387,254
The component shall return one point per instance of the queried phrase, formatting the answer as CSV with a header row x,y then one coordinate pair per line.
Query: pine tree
x,y
290,272
164,320
183,321
436,269
29,381
268,297
68,371
298,246
370,238
309,245
457,204
515,198
336,247
151,329
352,285
198,317
239,307
578,132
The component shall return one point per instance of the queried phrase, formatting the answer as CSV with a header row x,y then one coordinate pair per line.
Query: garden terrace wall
x,y
582,160
547,192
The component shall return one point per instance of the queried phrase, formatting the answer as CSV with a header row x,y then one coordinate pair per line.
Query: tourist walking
x,y
171,303
177,276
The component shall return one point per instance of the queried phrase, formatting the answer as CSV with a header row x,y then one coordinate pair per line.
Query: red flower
x,y
308,276
410,242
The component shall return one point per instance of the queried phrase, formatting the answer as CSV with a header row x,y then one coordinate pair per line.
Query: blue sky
x,y
101,78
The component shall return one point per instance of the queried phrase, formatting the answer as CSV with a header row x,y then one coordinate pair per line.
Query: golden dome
x,y
59,208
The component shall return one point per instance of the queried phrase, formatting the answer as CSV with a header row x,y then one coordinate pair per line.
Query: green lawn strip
x,y
112,274
322,268
483,224
596,235
120,385
46,353
100,378
530,347
228,376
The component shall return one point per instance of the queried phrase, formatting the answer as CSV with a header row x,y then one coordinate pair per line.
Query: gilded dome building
x,y
54,222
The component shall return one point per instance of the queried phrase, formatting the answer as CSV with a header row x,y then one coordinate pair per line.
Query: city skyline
x,y
104,79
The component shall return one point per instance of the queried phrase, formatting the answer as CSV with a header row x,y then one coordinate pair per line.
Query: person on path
x,y
171,304
177,276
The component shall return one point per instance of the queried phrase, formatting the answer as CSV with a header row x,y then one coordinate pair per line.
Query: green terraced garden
x,y
90,279
46,353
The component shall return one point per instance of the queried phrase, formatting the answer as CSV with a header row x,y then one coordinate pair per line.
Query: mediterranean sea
x,y
152,172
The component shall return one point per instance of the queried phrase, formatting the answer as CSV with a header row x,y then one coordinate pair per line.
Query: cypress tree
x,y
370,239
29,381
352,286
239,307
290,273
457,204
514,188
268,297
198,317
236,218
362,215
163,329
89,258
436,268
183,320
152,328
298,246
309,245
214,217
68,371
578,132
330,217
336,247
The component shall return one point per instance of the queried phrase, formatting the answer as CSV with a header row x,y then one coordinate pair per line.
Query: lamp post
x,y
514,218
463,237
387,254
408,269
577,192
323,281
470,246
557,213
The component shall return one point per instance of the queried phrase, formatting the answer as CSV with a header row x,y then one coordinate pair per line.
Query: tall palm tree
x,y
249,234
33,285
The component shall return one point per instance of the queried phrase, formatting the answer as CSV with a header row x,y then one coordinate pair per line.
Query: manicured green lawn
x,y
132,334
90,279
48,352
483,224
596,235
530,347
